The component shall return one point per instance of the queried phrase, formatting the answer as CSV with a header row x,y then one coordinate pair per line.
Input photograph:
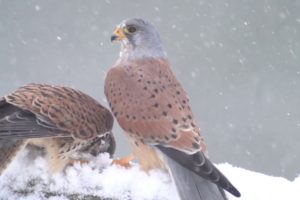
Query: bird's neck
x,y
129,53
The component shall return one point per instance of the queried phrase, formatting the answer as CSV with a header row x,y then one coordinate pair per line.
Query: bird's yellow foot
x,y
125,161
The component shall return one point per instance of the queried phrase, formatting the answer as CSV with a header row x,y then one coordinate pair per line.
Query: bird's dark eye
x,y
130,29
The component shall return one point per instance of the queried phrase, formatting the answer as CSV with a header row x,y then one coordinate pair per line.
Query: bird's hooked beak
x,y
118,35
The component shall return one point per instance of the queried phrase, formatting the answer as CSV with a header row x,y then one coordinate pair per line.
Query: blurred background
x,y
239,61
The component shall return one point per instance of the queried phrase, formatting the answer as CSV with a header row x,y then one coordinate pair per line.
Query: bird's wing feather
x,y
51,111
201,165
21,124
156,109
190,186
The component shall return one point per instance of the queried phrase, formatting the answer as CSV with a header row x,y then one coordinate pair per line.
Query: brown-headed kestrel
x,y
153,109
70,125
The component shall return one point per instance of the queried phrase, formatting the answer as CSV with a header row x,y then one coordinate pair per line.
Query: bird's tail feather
x,y
190,186
8,150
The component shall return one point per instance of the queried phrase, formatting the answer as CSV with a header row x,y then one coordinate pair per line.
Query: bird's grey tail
x,y
190,186
8,150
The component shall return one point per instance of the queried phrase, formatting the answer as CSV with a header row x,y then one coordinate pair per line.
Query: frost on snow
x,y
27,178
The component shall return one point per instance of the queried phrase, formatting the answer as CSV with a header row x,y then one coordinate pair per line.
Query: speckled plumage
x,y
67,123
152,107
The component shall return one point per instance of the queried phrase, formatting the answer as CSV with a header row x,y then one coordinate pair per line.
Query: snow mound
x,y
258,186
27,179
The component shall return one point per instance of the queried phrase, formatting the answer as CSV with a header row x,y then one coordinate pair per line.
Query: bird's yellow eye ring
x,y
129,29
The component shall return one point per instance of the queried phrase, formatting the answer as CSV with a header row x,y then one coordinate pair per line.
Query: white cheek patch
x,y
122,25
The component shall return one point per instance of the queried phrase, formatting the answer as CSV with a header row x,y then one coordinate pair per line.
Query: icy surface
x,y
27,178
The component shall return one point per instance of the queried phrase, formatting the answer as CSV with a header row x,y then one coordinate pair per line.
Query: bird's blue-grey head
x,y
139,39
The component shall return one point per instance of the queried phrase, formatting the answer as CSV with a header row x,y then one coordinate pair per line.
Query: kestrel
x,y
70,125
153,109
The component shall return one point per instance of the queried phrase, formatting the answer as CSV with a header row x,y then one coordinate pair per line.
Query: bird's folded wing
x,y
154,110
51,111
189,185
199,164
19,124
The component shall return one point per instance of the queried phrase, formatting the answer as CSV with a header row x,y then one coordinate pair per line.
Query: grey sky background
x,y
238,60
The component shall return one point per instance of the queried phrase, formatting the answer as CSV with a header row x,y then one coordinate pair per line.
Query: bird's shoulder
x,y
35,97
134,73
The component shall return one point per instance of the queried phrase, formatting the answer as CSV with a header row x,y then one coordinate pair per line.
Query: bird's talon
x,y
125,161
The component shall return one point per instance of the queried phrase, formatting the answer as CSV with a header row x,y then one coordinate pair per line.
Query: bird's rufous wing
x,y
153,110
40,110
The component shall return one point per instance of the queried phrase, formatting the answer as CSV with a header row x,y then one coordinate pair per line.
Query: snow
x,y
37,7
27,179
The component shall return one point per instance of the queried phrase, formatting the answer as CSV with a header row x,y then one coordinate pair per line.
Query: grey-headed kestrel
x,y
152,107
70,125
